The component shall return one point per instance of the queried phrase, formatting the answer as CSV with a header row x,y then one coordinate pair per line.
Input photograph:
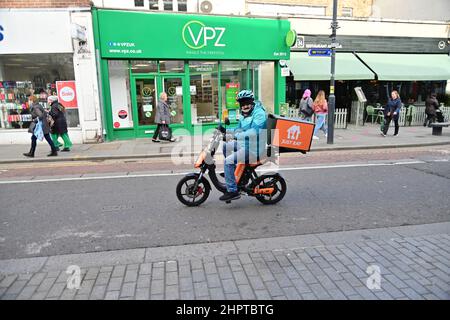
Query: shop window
x,y
173,86
347,12
153,4
119,84
144,66
233,79
23,75
182,5
138,3
168,5
262,82
204,91
174,66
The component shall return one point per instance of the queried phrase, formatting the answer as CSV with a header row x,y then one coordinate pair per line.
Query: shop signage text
x,y
67,94
1,33
319,52
192,36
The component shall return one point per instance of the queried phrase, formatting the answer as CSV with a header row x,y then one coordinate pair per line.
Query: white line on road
x,y
183,173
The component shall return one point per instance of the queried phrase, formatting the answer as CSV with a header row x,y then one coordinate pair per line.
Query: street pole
x,y
332,98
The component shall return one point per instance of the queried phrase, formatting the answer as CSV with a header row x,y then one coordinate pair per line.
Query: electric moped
x,y
193,189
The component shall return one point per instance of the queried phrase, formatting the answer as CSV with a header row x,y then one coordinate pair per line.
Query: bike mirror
x,y
227,121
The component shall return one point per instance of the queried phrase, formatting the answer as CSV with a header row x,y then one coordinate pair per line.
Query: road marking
x,y
356,165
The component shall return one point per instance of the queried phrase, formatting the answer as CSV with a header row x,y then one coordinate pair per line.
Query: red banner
x,y
67,94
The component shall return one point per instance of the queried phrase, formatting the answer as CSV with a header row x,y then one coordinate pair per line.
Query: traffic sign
x,y
322,52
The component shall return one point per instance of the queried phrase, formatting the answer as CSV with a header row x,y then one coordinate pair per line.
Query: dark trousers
x,y
34,143
158,129
431,118
387,121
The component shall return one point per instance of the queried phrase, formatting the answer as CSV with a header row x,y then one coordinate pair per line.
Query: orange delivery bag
x,y
289,134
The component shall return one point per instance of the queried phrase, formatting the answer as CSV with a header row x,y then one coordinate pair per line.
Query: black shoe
x,y
57,149
29,155
228,196
64,150
155,140
52,154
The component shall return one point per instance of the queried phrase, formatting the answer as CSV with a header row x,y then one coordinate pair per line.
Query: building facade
x,y
377,55
47,48
93,62
200,61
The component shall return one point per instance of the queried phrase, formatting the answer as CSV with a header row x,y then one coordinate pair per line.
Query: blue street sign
x,y
321,52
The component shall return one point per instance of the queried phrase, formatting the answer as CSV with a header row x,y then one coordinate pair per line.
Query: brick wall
x,y
361,8
44,3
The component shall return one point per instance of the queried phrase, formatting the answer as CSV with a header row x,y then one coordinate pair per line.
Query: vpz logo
x,y
1,33
197,35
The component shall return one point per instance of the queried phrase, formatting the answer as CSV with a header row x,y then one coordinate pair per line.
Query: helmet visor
x,y
245,102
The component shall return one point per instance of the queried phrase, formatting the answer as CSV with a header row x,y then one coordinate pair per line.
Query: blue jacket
x,y
393,106
251,130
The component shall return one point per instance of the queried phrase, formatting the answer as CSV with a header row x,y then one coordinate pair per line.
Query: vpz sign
x,y
197,35
1,33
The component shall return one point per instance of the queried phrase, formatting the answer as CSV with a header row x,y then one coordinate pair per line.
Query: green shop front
x,y
201,62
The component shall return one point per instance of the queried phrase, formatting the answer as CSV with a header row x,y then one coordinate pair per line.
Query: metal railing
x,y
340,117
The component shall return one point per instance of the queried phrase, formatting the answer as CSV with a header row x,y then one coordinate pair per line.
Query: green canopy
x,y
408,67
348,67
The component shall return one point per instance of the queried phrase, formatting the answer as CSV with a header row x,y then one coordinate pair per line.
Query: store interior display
x,y
14,106
23,75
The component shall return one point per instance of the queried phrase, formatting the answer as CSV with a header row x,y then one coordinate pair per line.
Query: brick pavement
x,y
414,263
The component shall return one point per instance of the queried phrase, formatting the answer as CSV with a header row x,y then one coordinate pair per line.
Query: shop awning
x,y
408,67
348,67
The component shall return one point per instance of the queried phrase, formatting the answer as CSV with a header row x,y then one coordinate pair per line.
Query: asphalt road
x,y
61,217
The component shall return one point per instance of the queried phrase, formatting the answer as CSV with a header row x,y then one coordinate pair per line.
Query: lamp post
x,y
332,98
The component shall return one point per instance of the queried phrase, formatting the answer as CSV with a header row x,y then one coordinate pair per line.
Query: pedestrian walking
x,y
431,107
320,107
306,106
392,112
39,128
59,128
162,118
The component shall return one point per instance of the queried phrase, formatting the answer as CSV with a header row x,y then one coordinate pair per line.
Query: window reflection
x,y
176,66
233,79
262,82
204,91
143,66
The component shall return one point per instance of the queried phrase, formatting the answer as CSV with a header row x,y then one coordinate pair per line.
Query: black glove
x,y
221,128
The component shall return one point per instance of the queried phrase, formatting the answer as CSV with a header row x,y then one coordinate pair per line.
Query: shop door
x,y
145,97
173,86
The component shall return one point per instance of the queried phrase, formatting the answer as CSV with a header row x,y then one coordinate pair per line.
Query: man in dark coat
x,y
431,105
59,128
38,113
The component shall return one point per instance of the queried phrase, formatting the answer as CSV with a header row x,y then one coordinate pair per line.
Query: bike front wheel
x,y
191,195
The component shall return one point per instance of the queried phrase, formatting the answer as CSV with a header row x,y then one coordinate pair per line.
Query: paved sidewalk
x,y
414,263
364,137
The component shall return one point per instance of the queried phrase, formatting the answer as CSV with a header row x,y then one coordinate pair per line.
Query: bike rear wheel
x,y
190,197
271,181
